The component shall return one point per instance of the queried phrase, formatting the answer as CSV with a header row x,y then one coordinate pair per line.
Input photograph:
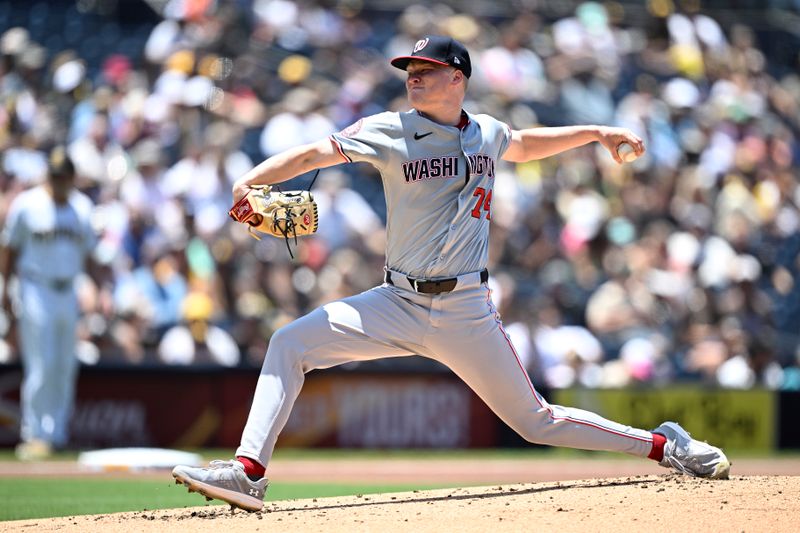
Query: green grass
x,y
22,498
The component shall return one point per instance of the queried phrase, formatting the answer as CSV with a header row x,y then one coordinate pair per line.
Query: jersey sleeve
x,y
13,234
497,135
90,237
505,139
366,140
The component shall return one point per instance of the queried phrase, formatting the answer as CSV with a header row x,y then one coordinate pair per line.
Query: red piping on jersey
x,y
339,149
536,394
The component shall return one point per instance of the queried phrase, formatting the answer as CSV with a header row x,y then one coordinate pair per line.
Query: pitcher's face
x,y
430,85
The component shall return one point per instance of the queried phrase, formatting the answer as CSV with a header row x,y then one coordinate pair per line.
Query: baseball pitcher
x,y
437,162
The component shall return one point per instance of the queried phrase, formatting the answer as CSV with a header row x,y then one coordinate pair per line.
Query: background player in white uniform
x,y
437,163
46,239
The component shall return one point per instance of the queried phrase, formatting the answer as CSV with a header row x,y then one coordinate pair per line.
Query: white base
x,y
137,459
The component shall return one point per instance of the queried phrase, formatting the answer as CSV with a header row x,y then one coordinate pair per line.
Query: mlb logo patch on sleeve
x,y
352,129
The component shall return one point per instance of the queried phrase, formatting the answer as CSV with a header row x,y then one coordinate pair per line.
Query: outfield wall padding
x,y
189,408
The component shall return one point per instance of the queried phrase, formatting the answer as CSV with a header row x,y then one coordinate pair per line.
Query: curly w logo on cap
x,y
438,49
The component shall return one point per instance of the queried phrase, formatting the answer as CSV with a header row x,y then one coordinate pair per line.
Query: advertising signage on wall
x,y
335,409
181,408
358,412
736,419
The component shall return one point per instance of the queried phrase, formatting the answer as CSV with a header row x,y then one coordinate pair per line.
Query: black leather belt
x,y
57,284
433,286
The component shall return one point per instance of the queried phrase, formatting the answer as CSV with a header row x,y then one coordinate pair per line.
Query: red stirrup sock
x,y
253,469
657,453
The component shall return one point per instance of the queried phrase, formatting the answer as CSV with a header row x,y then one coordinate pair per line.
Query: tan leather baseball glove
x,y
277,213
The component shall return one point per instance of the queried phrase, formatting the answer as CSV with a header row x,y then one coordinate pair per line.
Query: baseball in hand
x,y
626,152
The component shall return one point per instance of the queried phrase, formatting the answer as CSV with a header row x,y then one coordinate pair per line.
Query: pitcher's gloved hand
x,y
277,213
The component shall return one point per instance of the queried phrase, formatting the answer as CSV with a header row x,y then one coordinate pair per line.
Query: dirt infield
x,y
764,495
656,503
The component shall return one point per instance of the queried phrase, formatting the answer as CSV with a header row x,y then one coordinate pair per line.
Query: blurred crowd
x,y
680,266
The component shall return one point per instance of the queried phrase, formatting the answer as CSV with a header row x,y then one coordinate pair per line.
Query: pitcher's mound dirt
x,y
640,503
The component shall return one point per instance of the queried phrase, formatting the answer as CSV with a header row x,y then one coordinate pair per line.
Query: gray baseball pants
x,y
460,329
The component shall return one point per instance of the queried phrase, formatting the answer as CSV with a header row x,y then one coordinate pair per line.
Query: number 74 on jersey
x,y
484,203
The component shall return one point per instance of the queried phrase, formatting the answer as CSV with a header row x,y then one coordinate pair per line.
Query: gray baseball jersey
x,y
438,184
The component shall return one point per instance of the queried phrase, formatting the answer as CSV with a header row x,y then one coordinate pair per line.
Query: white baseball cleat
x,y
226,481
33,450
690,456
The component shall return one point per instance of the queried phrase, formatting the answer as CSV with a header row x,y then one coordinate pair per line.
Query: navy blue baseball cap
x,y
438,49
59,163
